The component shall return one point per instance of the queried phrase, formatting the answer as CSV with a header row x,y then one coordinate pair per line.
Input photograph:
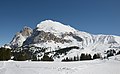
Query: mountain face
x,y
55,36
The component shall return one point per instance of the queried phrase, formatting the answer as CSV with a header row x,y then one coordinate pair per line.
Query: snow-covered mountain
x,y
54,36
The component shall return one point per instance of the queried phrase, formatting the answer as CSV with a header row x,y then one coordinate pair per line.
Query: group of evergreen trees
x,y
20,56
5,54
110,53
83,57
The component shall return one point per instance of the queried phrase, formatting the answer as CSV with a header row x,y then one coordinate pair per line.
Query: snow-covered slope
x,y
54,27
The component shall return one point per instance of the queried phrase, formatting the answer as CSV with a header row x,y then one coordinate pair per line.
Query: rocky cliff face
x,y
26,32
41,37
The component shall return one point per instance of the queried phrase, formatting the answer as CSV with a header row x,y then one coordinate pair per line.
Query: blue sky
x,y
93,16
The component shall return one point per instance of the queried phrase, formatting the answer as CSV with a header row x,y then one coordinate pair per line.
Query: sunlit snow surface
x,y
106,66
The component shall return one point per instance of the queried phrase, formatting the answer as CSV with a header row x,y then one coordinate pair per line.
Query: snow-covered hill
x,y
54,36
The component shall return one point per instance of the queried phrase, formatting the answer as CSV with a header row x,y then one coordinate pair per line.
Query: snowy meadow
x,y
97,66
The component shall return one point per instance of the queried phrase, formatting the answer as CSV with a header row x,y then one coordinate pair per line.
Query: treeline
x,y
23,55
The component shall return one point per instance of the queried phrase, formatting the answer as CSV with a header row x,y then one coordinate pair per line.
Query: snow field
x,y
106,66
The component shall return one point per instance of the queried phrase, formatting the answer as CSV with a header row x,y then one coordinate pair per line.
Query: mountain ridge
x,y
54,36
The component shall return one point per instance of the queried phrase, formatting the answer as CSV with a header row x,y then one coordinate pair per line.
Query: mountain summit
x,y
54,27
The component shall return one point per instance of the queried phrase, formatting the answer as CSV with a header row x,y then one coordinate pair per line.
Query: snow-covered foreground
x,y
110,66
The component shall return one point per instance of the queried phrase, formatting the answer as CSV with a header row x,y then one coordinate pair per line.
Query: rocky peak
x,y
20,37
27,31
